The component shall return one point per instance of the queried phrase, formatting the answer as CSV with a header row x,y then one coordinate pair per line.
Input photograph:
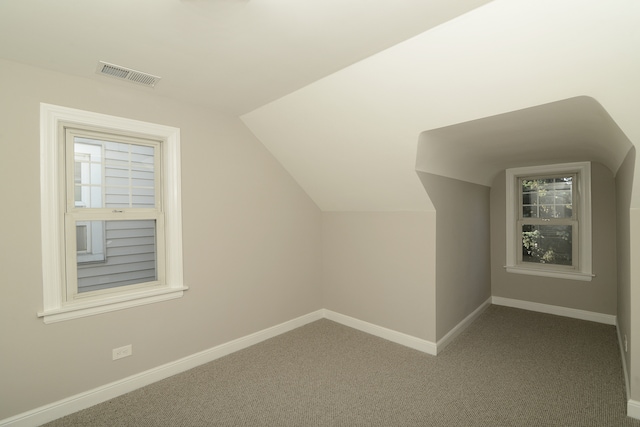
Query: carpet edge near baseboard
x,y
80,401
103,393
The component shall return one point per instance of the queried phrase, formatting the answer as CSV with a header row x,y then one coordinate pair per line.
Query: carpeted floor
x,y
509,368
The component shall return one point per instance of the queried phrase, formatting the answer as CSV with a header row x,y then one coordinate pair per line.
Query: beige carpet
x,y
509,368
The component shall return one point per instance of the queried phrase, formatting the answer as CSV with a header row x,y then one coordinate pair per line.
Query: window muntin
x,y
548,221
76,213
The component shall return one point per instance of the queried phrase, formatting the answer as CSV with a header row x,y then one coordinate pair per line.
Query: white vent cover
x,y
123,73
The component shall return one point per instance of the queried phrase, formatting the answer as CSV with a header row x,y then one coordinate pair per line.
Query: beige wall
x,y
599,295
631,290
463,280
258,251
252,246
634,307
624,184
378,267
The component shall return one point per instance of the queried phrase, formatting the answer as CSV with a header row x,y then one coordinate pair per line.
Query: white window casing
x,y
61,208
582,250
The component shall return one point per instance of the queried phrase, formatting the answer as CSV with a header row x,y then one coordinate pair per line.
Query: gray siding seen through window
x,y
127,180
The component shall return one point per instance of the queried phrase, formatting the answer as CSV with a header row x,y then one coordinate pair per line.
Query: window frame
x,y
543,221
582,244
101,214
57,305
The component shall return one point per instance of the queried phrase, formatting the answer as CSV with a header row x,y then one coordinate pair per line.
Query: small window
x,y
110,201
549,221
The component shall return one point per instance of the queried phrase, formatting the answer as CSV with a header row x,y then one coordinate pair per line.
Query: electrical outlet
x,y
120,352
626,344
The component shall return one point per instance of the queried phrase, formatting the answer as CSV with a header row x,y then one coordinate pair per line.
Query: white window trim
x,y
55,308
584,271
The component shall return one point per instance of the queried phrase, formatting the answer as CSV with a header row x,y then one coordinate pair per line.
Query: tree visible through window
x,y
547,220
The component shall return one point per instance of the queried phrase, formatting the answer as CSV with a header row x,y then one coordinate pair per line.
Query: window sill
x,y
570,275
90,308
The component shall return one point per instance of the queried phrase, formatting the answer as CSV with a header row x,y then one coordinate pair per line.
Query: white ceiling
x,y
570,130
234,55
340,91
351,138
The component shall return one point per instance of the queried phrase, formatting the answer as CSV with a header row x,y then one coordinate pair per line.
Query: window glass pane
x,y
547,244
547,211
564,183
547,197
112,174
129,255
530,198
552,197
82,239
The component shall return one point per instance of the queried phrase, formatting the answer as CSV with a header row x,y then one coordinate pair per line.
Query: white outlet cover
x,y
120,352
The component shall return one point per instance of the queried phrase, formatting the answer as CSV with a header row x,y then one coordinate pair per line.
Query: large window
x,y
549,221
111,223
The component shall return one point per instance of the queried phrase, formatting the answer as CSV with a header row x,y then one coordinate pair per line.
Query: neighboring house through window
x,y
549,220
111,204
87,176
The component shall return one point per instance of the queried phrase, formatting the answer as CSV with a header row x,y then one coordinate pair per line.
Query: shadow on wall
x,y
463,278
458,164
624,187
570,130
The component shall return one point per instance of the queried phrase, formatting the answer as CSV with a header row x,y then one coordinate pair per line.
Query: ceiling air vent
x,y
123,73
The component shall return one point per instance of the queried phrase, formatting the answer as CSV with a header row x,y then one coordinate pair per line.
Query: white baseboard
x,y
446,340
103,393
633,406
633,409
608,319
625,372
388,334
100,394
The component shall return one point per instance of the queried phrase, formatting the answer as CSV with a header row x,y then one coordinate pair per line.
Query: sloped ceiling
x,y
351,139
234,55
569,130
341,91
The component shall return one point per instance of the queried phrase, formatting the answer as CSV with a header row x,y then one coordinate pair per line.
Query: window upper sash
x,y
110,172
548,198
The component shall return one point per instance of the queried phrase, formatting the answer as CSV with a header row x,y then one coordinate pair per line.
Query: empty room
x,y
319,213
